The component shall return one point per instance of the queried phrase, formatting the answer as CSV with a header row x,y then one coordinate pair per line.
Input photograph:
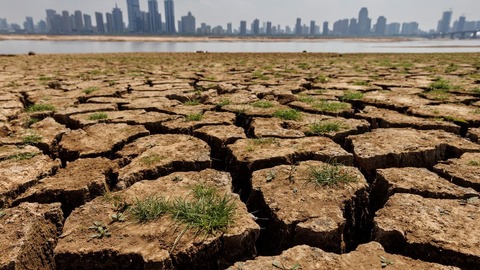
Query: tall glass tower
x,y
169,17
364,22
134,16
444,23
154,19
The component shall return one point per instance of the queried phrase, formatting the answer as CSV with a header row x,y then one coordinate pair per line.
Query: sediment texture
x,y
328,161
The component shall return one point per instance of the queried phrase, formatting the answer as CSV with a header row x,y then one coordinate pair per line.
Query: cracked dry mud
x,y
85,139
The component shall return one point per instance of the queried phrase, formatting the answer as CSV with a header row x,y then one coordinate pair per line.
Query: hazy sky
x,y
284,12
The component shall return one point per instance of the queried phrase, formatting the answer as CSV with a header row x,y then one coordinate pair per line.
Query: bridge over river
x,y
473,34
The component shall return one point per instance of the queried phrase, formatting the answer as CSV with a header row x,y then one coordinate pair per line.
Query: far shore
x,y
197,39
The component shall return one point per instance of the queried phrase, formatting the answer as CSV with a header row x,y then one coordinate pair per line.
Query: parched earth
x,y
240,161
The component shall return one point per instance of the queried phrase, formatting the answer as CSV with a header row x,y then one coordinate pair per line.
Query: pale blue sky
x,y
284,12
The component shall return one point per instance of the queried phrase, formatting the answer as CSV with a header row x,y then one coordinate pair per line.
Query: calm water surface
x,y
336,46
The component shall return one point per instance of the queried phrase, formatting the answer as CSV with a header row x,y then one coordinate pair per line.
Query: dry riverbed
x,y
240,161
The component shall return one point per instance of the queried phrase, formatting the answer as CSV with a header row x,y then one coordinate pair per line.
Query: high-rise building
x,y
188,24
312,28
134,16
117,20
67,22
154,17
100,22
298,27
109,25
78,23
341,28
325,28
353,28
3,24
50,17
364,22
169,17
461,23
28,25
256,27
269,28
243,28
392,29
87,20
229,28
444,23
409,29
41,27
381,26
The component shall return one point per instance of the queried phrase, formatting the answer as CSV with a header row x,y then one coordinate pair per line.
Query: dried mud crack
x,y
240,161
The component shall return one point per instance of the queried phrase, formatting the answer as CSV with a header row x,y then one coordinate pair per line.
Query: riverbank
x,y
197,39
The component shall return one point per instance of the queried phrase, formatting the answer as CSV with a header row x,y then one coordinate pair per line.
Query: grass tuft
x,y
324,127
288,114
90,90
330,175
307,99
32,139
41,108
361,83
29,122
193,102
194,117
331,106
224,102
98,116
22,156
262,104
351,95
441,84
206,210
152,159
149,209
475,163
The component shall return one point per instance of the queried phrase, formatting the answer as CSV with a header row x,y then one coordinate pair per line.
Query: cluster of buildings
x,y
150,22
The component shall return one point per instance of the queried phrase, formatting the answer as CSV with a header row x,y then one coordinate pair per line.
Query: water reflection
x,y
337,46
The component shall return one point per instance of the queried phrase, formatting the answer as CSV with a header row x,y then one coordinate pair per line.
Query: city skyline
x,y
218,12
149,21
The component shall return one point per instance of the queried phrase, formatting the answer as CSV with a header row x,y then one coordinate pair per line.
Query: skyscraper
x,y
87,20
117,20
67,22
325,28
461,23
109,25
78,21
28,25
353,28
100,23
50,17
269,28
298,27
444,23
364,22
243,28
154,18
256,27
188,24
169,17
312,28
134,16
381,26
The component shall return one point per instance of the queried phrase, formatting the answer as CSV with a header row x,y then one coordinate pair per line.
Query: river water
x,y
334,46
